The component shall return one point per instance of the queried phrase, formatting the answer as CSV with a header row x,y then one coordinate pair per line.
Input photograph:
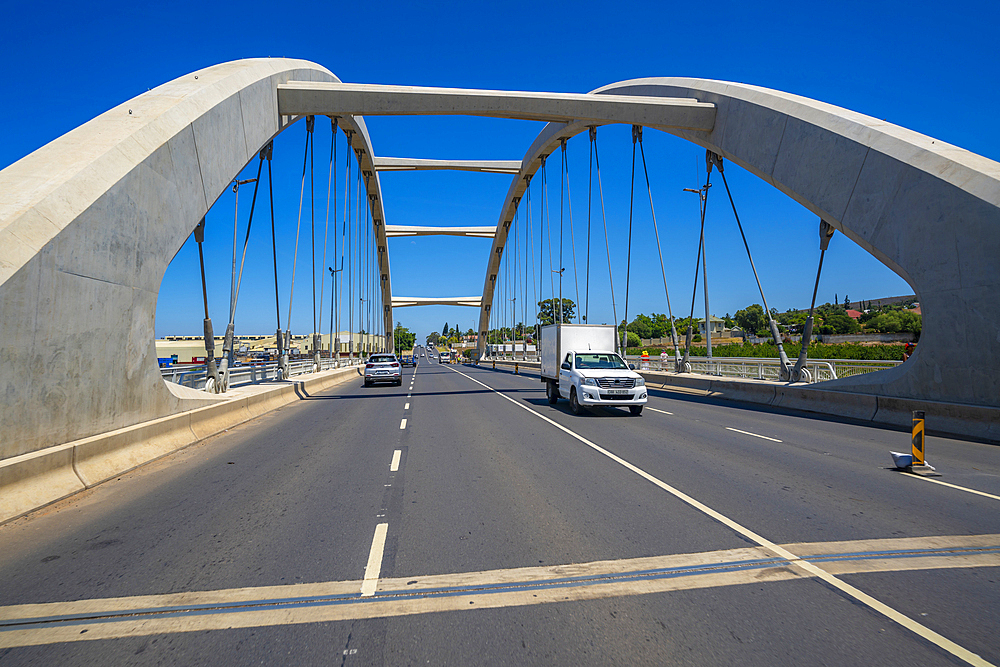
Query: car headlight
x,y
641,382
590,382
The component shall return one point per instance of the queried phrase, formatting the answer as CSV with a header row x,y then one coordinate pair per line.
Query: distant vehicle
x,y
445,357
408,360
383,368
579,363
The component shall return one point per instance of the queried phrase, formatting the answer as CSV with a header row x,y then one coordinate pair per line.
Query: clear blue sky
x,y
930,67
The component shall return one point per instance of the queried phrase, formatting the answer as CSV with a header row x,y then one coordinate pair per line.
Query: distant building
x,y
718,326
854,314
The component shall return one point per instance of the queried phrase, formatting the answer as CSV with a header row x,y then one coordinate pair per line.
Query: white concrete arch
x,y
88,225
927,210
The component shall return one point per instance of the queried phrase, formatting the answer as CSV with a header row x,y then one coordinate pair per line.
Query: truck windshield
x,y
599,360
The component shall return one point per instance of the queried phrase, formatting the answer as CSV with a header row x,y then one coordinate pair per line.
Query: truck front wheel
x,y
636,410
574,403
552,392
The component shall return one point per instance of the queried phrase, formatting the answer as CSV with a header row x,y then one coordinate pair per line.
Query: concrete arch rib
x,y
88,225
927,210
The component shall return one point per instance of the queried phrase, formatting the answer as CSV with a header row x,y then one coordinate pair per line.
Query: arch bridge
x,y
89,222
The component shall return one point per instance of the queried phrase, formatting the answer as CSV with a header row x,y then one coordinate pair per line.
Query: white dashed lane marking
x,y
753,434
394,466
661,411
402,424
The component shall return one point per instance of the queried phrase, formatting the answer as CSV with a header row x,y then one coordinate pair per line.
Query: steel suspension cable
x,y
628,260
663,271
703,206
326,234
548,229
349,225
334,351
767,311
534,294
590,201
211,371
278,338
572,236
604,217
312,228
298,226
344,238
246,240
361,268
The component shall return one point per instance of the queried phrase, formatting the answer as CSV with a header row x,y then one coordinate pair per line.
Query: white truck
x,y
579,362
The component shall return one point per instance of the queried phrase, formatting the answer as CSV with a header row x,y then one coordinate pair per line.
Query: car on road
x,y
383,367
408,360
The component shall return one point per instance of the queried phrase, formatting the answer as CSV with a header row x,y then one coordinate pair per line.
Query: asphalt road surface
x,y
460,519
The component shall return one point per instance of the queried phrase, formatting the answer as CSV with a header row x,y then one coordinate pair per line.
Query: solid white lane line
x,y
374,567
406,407
402,424
954,486
753,434
887,611
394,466
655,410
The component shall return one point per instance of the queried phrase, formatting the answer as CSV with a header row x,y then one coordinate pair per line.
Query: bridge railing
x,y
194,376
749,368
756,368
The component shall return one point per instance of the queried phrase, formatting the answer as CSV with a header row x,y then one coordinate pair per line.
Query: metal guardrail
x,y
194,376
751,368
757,368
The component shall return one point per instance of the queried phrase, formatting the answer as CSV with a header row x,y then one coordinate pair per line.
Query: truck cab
x,y
589,372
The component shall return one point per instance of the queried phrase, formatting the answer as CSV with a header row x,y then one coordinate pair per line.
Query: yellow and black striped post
x,y
918,437
515,368
494,364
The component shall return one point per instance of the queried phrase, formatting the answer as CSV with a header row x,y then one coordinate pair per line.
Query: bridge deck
x,y
514,529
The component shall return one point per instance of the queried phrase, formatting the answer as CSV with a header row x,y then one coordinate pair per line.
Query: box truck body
x,y
579,362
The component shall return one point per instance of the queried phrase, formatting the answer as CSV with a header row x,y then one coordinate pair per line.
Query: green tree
x,y
445,330
633,339
752,319
836,321
433,338
847,301
548,310
642,326
403,338
895,321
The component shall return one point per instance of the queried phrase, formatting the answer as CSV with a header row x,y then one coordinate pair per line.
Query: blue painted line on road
x,y
351,598
523,586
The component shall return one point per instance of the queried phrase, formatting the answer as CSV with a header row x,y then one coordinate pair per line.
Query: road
x,y
460,519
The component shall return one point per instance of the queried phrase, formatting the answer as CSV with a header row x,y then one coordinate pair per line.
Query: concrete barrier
x,y
982,423
948,419
838,403
37,479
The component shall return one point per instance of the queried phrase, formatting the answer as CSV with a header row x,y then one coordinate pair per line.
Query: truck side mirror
x,y
631,367
566,366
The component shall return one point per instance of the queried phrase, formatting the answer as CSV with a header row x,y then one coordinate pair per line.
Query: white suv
x,y
383,368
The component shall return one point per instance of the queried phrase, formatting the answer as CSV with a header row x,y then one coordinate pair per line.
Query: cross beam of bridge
x,y
420,164
406,301
393,231
335,99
